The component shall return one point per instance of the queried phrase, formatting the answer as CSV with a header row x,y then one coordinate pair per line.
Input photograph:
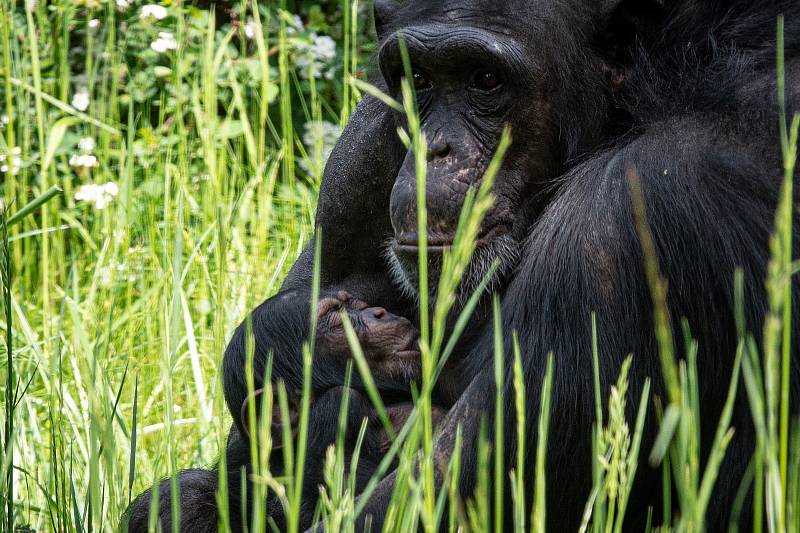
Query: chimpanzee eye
x,y
486,80
421,82
357,321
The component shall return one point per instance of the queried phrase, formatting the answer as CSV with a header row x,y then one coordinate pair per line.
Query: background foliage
x,y
189,146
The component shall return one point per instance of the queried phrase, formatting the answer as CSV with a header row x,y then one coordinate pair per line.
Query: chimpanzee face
x,y
389,342
477,67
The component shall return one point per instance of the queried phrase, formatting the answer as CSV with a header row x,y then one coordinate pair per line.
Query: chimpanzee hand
x,y
324,418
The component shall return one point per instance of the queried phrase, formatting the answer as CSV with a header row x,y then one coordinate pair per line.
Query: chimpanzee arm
x,y
353,209
197,488
467,411
709,202
322,433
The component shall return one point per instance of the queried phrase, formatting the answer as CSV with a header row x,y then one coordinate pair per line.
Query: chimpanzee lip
x,y
409,354
411,350
408,243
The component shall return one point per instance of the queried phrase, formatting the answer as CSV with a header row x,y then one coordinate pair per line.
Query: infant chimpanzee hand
x,y
389,342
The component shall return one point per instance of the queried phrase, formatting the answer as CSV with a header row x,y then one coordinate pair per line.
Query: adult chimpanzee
x,y
680,94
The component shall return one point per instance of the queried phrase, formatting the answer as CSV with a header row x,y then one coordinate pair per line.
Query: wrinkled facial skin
x,y
472,79
389,342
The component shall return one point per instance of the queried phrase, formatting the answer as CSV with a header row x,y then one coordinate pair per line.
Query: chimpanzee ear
x,y
621,23
384,11
609,9
276,430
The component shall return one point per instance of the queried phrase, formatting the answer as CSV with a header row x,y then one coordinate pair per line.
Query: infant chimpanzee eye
x,y
334,319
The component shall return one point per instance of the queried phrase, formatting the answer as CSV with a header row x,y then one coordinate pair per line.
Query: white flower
x,y
106,277
122,5
295,25
324,47
10,165
153,10
251,29
310,58
86,145
94,24
166,41
322,131
100,195
319,137
80,100
204,306
83,161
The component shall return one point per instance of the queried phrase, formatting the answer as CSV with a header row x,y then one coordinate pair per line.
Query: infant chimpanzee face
x,y
390,342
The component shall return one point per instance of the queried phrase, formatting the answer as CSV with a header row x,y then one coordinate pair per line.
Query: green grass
x,y
116,318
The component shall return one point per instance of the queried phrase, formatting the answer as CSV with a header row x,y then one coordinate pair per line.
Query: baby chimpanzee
x,y
389,343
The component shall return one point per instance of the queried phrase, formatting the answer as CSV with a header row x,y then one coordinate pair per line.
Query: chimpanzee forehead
x,y
464,12
519,17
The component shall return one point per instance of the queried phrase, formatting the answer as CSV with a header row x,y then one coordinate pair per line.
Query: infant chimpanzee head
x,y
389,342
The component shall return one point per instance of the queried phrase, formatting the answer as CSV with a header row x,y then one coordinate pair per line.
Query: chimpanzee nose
x,y
377,312
438,149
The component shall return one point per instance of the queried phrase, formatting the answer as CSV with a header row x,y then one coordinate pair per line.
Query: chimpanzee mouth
x,y
495,246
408,242
411,351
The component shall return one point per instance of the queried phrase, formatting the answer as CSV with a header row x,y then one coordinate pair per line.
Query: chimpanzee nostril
x,y
438,149
378,312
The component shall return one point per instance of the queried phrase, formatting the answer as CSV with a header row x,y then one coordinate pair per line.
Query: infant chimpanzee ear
x,y
257,400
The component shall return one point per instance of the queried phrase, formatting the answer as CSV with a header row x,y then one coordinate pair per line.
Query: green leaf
x,y
34,204
162,72
230,129
54,139
665,434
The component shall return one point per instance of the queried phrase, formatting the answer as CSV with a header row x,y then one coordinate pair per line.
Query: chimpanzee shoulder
x,y
709,56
